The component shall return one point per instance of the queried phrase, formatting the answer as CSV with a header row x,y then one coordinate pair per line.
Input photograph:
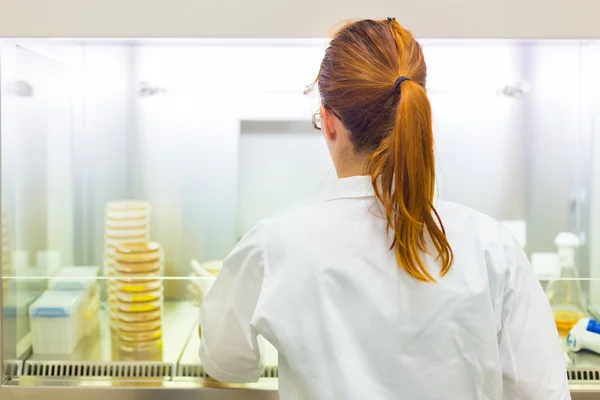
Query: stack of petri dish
x,y
127,221
6,259
139,296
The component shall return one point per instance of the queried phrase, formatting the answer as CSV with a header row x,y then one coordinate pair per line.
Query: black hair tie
x,y
390,20
399,82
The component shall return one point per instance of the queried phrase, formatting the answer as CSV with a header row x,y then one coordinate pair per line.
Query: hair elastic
x,y
390,19
399,82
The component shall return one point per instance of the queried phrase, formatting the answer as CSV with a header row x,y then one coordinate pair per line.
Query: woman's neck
x,y
351,166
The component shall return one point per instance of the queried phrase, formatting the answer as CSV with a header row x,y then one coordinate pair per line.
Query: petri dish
x,y
137,248
113,243
127,209
126,232
138,252
129,277
133,287
139,306
140,336
137,268
141,297
127,223
150,345
144,326
138,258
140,316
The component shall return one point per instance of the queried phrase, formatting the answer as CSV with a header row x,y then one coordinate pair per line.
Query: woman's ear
x,y
328,124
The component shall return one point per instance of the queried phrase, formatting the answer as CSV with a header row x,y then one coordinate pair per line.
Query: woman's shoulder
x,y
460,220
458,213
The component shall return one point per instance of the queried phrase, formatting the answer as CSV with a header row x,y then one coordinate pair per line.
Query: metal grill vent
x,y
12,369
191,371
270,372
584,374
113,370
197,371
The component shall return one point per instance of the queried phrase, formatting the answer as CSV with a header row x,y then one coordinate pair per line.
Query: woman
x,y
375,291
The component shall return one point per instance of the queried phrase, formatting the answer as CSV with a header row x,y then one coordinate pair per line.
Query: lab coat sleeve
x,y
531,355
229,347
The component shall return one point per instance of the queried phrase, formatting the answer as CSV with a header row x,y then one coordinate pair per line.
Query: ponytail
x,y
403,177
373,75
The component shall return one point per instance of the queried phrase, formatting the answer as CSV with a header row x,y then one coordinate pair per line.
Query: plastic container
x,y
20,259
50,261
585,335
56,322
82,278
90,314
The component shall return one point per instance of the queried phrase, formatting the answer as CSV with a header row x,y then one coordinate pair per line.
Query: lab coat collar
x,y
347,188
354,187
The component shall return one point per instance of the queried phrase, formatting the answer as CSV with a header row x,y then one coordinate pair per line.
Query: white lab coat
x,y
321,284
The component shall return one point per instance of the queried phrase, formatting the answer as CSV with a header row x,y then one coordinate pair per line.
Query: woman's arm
x,y
229,348
533,363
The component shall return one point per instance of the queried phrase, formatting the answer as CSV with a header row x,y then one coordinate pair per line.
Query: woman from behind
x,y
376,290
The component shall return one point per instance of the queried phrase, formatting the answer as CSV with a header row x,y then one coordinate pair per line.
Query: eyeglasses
x,y
316,117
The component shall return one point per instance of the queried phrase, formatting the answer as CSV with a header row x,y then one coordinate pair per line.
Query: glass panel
x,y
212,147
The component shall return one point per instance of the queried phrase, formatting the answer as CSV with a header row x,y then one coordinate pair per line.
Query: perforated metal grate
x,y
197,371
270,372
584,374
191,371
83,369
13,369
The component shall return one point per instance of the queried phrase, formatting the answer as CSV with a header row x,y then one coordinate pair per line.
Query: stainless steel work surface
x,y
41,389
99,354
199,389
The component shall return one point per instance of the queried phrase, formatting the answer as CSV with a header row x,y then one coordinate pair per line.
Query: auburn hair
x,y
390,120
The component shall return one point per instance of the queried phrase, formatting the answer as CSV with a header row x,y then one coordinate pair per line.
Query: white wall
x,y
306,18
